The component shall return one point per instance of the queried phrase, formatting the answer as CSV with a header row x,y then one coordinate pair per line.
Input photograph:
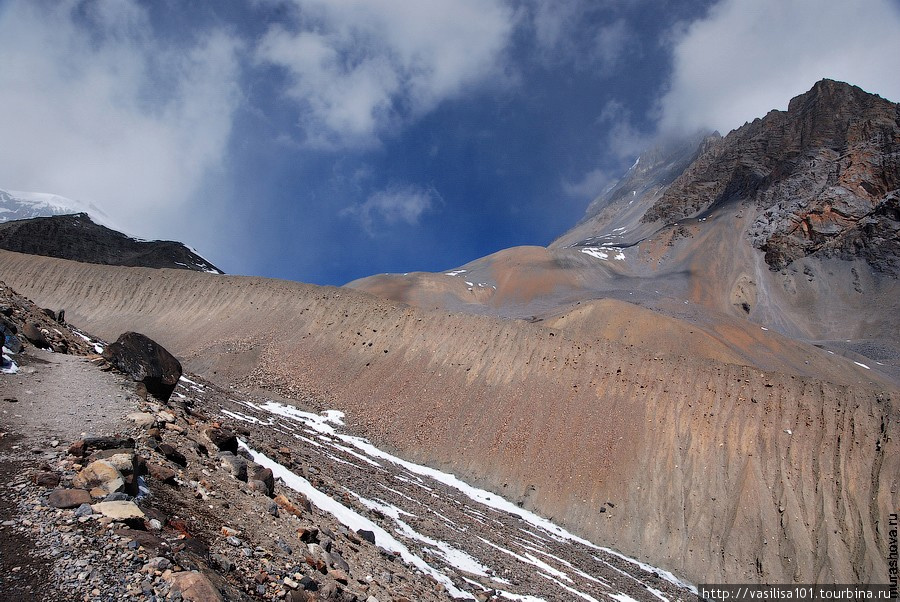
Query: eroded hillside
x,y
717,471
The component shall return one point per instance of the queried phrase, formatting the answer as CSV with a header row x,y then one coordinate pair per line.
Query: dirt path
x,y
53,400
60,397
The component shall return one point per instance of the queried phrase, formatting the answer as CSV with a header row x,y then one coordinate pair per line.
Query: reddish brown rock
x,y
69,498
195,587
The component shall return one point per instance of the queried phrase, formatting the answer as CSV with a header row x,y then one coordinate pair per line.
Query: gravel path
x,y
59,396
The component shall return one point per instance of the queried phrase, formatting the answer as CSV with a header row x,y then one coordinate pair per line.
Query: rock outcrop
x,y
826,174
77,237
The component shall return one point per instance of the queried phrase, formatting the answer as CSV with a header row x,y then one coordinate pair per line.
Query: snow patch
x,y
351,519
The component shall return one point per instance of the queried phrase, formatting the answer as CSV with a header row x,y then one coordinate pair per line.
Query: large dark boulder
x,y
145,361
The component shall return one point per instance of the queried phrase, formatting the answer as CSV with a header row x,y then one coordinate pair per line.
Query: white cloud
x,y
357,68
94,106
583,33
747,57
397,204
590,185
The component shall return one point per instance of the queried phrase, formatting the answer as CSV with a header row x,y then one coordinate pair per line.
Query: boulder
x,y
195,587
46,479
88,445
235,465
255,472
221,439
101,478
69,498
146,362
162,474
33,333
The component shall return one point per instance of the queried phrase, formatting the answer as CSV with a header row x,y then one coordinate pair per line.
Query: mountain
x,y
42,224
790,223
727,385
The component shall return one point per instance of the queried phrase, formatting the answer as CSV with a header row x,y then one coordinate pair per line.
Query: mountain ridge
x,y
78,237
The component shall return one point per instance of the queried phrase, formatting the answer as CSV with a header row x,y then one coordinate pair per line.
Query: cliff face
x,y
825,175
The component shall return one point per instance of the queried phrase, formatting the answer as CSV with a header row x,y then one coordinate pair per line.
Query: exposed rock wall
x,y
716,471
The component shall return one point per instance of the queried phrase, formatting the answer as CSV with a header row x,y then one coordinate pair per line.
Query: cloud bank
x,y
747,57
94,106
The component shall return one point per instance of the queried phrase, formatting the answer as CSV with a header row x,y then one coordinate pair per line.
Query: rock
x,y
283,502
117,497
235,465
46,479
123,459
142,419
119,511
257,485
84,510
163,474
337,561
89,444
157,563
69,498
221,562
340,576
101,477
172,454
366,535
145,361
195,587
222,439
11,342
256,472
33,333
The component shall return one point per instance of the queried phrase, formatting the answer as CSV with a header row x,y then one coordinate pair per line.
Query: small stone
x,y
291,583
172,454
84,511
159,563
366,535
233,541
46,479
142,419
163,474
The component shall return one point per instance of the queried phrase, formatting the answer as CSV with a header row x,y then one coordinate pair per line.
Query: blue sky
x,y
326,140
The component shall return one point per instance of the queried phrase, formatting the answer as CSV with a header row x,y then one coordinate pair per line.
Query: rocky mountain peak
x,y
824,175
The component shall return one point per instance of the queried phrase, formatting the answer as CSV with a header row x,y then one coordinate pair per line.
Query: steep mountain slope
x,y
716,471
790,222
78,238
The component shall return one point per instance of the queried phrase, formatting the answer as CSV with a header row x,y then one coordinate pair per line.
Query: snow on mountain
x,y
16,205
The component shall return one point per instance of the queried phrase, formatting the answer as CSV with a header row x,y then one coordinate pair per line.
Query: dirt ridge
x,y
718,472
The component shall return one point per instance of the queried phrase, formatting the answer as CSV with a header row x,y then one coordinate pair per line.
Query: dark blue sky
x,y
327,140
